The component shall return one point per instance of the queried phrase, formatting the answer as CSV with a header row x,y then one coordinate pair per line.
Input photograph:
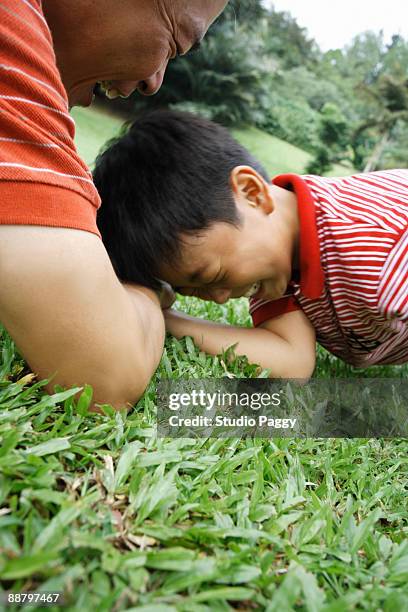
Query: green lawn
x,y
99,508
279,156
93,129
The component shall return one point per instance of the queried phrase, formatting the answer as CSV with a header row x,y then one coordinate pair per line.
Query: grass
x,y
93,129
278,156
97,507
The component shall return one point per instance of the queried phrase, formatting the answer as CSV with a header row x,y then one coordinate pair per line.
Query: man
x,y
60,300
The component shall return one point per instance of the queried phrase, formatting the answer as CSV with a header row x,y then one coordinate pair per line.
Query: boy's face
x,y
254,259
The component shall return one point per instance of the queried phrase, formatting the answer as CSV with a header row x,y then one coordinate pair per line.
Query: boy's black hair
x,y
168,175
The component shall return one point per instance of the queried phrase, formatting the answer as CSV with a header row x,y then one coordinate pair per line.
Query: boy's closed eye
x,y
200,292
203,285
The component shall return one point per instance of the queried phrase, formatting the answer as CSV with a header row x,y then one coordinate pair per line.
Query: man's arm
x,y
286,345
70,316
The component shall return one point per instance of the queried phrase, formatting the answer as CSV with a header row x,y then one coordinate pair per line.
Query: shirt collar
x,y
311,272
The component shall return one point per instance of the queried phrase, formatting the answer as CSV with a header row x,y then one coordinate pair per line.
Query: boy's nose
x,y
220,295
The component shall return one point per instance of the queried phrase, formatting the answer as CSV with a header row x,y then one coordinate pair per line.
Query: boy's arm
x,y
285,345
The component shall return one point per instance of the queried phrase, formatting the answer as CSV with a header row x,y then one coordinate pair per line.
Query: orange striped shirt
x,y
43,181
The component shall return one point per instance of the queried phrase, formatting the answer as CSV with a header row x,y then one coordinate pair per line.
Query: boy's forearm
x,y
260,345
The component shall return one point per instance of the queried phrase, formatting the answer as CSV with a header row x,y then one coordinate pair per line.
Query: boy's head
x,y
182,201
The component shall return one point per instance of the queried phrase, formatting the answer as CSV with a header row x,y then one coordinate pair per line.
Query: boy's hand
x,y
166,295
285,345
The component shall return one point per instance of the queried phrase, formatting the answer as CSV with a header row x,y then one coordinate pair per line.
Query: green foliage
x,y
242,12
285,39
333,139
291,119
258,66
305,85
387,99
377,75
223,81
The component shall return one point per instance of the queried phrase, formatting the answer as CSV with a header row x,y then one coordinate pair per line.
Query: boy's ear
x,y
247,183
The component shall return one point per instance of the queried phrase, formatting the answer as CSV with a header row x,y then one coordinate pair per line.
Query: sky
x,y
333,23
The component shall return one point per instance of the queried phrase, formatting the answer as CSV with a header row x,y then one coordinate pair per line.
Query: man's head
x,y
127,44
184,202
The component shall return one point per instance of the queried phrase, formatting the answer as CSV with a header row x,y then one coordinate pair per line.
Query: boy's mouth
x,y
253,290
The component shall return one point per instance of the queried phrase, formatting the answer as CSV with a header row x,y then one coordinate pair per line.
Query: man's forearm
x,y
260,345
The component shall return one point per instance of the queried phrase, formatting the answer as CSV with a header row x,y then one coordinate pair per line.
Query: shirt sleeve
x,y
43,181
393,289
262,310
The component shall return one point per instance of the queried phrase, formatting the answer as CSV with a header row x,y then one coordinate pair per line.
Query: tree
x,y
285,39
245,13
225,80
333,140
373,78
389,99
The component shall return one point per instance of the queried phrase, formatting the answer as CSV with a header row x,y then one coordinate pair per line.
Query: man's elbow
x,y
124,392
118,379
130,377
114,389
122,397
118,371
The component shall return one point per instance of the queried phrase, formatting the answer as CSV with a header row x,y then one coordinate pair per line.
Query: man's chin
x,y
81,95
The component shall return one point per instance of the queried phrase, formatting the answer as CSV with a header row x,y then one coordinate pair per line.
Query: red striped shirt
x,y
43,181
353,284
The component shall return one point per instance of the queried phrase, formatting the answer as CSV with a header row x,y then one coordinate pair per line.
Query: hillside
x,y
95,127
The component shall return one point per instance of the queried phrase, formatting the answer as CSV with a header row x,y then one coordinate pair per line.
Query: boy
x,y
321,259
